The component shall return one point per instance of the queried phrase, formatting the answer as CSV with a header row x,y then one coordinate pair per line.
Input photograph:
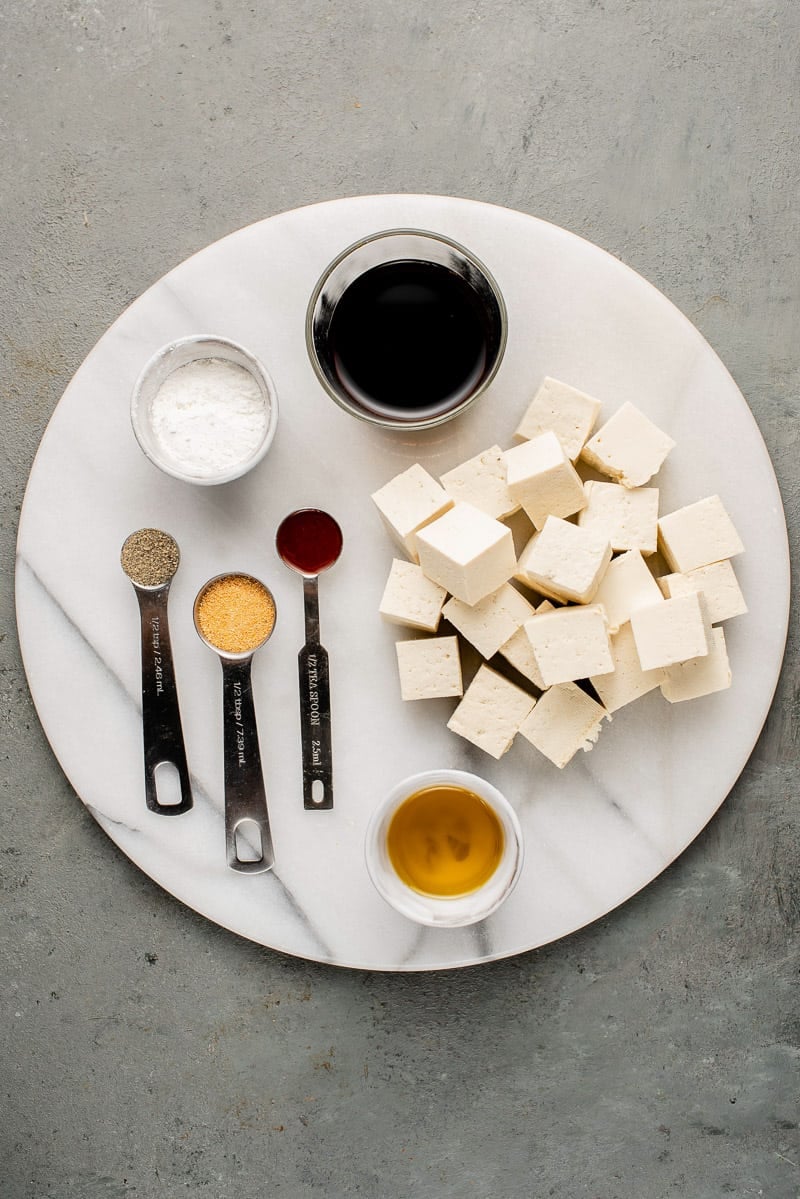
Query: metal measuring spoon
x,y
234,614
310,541
150,558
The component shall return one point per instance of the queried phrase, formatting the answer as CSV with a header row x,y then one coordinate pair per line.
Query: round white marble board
x,y
595,832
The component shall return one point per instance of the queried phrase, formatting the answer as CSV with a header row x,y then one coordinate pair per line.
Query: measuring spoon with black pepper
x,y
234,614
310,541
150,558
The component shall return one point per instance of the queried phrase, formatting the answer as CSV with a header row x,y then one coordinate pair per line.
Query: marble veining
x,y
596,832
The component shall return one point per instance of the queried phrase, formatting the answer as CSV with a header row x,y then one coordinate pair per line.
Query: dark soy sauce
x,y
409,339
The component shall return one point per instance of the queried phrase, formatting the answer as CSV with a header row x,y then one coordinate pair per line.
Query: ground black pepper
x,y
150,557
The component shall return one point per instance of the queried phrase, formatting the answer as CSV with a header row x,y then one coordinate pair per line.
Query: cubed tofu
x,y
408,502
519,651
673,631
564,720
627,516
700,676
491,712
626,585
697,535
628,447
564,561
481,481
411,598
718,585
429,668
542,479
488,624
467,552
563,410
627,681
570,644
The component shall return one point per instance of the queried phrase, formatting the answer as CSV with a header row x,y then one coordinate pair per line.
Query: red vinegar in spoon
x,y
309,541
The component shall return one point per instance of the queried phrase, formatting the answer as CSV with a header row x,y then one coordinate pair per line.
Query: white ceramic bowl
x,y
451,911
180,353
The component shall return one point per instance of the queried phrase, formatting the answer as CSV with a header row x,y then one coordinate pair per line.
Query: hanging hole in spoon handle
x,y
248,839
161,719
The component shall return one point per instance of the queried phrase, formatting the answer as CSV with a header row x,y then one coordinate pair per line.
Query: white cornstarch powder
x,y
209,416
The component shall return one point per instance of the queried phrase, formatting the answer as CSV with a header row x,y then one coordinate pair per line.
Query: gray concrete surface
x,y
146,1053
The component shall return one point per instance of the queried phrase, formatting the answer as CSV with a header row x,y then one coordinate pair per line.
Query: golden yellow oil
x,y
445,841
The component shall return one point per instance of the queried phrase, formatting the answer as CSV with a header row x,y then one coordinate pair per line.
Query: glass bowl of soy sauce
x,y
406,328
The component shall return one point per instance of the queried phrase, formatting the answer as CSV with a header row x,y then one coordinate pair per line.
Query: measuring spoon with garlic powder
x,y
310,541
234,614
150,558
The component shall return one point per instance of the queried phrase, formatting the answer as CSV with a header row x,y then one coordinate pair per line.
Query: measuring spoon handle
x,y
315,707
161,718
245,794
315,726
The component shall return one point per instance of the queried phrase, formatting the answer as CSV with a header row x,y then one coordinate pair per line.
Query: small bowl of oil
x,y
444,848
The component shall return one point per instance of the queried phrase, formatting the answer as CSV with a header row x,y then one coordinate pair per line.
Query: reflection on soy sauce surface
x,y
410,338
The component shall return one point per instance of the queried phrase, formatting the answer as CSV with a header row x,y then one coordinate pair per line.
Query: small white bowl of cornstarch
x,y
204,410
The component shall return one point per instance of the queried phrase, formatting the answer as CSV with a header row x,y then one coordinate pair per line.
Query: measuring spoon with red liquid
x,y
309,541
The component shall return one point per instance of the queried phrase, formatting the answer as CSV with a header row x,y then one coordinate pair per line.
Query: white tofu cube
x,y
519,651
408,502
564,561
467,552
491,712
628,447
570,643
627,681
669,632
627,516
718,585
411,598
700,676
488,624
542,479
563,410
564,720
697,535
626,585
481,481
429,668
